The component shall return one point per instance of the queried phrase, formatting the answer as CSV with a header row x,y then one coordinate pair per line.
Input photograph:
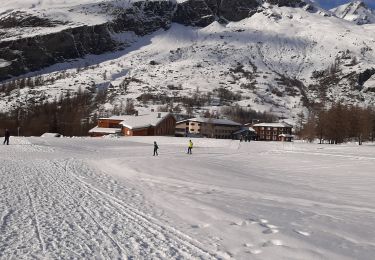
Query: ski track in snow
x,y
51,212
98,198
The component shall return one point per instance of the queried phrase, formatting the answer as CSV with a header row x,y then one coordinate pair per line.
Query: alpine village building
x,y
274,132
207,127
151,124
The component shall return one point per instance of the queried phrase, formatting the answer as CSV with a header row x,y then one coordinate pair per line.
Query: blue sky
x,y
333,3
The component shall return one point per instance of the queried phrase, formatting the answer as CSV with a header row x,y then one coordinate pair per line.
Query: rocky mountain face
x,y
34,52
204,12
356,11
264,54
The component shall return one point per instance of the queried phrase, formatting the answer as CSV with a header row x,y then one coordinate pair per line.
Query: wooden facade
x,y
165,127
109,123
143,125
273,132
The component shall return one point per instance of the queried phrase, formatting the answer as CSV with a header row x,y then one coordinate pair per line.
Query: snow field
x,y
110,198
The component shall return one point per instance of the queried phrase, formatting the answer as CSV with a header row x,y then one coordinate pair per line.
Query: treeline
x,y
70,115
340,124
245,115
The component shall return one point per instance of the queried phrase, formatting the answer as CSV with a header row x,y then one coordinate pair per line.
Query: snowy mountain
x,y
356,11
278,56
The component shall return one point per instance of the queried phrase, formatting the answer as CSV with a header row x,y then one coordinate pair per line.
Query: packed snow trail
x,y
109,198
49,211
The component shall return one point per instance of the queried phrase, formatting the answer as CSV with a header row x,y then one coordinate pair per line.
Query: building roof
x,y
144,121
250,129
119,118
286,135
103,130
214,121
244,130
282,124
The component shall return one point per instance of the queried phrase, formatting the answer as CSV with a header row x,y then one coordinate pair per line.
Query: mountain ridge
x,y
356,11
276,59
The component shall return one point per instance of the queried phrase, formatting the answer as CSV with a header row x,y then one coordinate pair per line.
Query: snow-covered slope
x,y
94,198
356,11
281,59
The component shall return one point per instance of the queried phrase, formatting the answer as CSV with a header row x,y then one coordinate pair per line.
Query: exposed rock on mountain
x,y
34,53
289,3
267,55
195,13
29,53
23,19
357,12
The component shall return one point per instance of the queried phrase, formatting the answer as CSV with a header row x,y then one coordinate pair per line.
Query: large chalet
x,y
207,127
150,124
274,132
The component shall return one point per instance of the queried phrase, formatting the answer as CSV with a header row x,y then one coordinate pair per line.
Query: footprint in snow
x,y
254,251
248,245
303,233
273,242
239,223
270,231
200,226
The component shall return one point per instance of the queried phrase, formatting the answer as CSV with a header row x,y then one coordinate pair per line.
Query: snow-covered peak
x,y
356,11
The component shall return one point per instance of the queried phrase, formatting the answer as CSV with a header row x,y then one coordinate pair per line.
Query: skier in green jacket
x,y
190,147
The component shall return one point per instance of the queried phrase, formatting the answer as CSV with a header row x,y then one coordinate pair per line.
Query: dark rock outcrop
x,y
34,53
23,19
195,13
290,3
204,12
144,17
236,10
365,76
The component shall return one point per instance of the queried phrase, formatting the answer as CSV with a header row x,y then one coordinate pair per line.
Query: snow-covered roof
x,y
145,120
51,135
119,118
286,135
282,124
103,130
244,130
251,129
211,121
